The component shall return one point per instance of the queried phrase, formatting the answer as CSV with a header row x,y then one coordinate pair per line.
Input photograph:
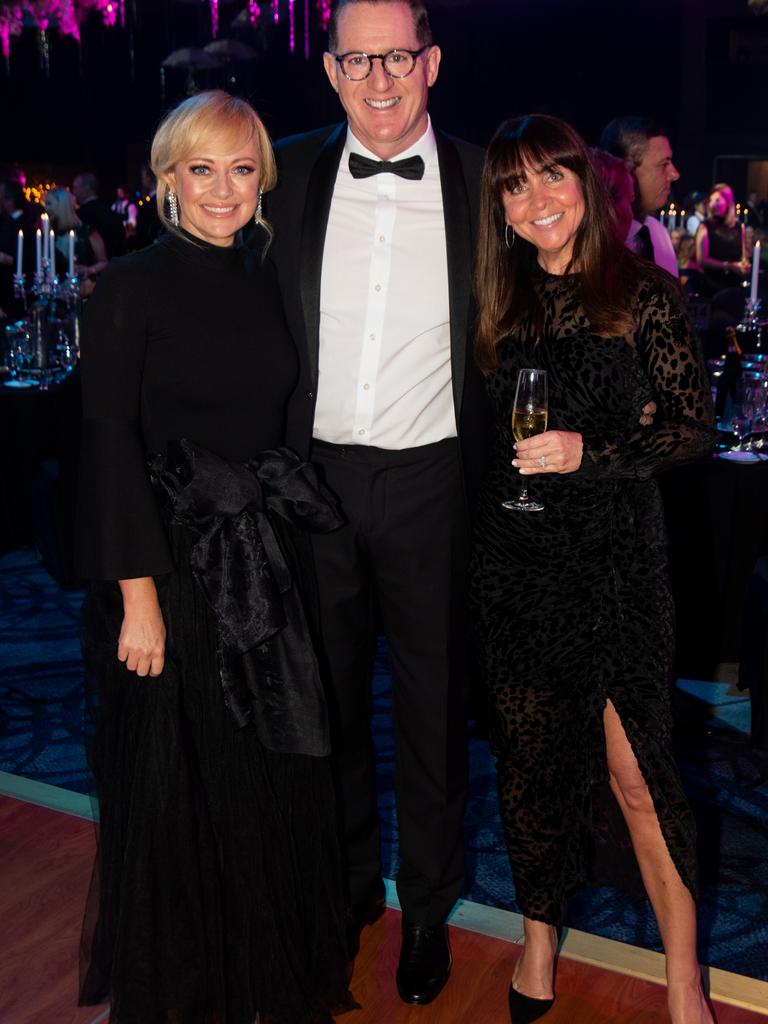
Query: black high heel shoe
x,y
526,1009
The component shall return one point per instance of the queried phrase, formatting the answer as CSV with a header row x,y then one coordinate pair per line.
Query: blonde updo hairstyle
x,y
185,129
60,207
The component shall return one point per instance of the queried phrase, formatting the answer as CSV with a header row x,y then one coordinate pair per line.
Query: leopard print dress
x,y
571,605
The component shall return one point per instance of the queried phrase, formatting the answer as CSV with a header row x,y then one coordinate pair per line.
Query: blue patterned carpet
x,y
41,729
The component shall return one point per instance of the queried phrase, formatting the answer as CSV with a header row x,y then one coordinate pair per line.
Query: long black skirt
x,y
217,890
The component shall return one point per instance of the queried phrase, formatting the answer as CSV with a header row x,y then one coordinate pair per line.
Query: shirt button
x,y
382,238
361,432
366,387
378,287
310,394
372,337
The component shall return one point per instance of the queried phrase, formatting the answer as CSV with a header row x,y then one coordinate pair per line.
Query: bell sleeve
x,y
120,533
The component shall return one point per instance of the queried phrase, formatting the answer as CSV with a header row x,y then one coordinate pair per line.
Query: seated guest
x,y
90,251
721,248
697,201
644,144
691,277
95,213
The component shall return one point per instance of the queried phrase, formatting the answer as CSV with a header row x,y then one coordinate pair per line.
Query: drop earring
x,y
173,207
257,217
506,236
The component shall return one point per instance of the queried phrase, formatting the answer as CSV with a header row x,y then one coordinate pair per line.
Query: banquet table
x,y
717,519
40,431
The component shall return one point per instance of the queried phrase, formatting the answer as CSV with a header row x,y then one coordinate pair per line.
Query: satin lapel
x,y
316,210
458,240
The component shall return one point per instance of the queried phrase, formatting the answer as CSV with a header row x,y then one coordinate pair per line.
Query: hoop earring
x,y
173,207
257,217
506,236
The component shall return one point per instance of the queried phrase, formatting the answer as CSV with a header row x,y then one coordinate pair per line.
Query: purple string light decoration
x,y
276,10
324,9
291,27
214,18
254,12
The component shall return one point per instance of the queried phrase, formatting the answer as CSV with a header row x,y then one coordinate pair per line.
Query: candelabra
x,y
750,327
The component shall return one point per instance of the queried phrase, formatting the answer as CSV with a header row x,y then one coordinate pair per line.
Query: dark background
x,y
699,65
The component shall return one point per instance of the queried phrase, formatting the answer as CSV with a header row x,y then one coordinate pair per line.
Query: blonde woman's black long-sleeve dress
x,y
217,891
572,606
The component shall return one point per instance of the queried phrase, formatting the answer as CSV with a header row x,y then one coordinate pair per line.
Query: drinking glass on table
x,y
529,417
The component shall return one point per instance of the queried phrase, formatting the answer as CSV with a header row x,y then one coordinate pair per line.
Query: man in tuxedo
x,y
645,146
94,212
374,224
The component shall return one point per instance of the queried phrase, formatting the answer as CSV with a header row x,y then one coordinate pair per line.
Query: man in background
x,y
643,143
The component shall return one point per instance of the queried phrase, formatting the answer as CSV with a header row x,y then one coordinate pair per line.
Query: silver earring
x,y
506,236
257,215
173,207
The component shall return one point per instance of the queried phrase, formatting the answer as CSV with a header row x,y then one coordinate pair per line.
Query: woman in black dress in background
x,y
216,897
574,622
721,246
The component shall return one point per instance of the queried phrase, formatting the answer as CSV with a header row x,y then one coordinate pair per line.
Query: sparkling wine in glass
x,y
529,417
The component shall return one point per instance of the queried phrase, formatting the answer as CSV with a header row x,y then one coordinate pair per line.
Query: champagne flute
x,y
529,417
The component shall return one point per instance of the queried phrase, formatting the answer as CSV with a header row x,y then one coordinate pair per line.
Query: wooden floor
x,y
45,859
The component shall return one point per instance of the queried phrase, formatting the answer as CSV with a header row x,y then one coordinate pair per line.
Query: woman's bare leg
x,y
672,903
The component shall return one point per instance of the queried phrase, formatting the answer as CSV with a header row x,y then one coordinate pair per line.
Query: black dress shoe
x,y
361,914
525,1009
425,962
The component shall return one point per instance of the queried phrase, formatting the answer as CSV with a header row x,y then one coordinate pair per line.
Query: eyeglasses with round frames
x,y
396,63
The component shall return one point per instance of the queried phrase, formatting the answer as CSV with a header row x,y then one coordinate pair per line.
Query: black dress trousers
x,y
404,548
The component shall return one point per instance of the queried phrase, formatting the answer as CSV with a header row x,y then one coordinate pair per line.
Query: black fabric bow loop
x,y
237,557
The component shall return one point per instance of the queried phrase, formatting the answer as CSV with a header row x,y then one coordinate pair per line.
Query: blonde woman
x,y
217,893
90,251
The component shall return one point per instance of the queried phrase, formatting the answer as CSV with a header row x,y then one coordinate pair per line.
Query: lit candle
x,y
38,250
755,273
71,253
45,225
672,222
52,250
19,252
661,217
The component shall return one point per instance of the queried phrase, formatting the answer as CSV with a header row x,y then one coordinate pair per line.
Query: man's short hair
x,y
13,192
417,9
89,180
628,137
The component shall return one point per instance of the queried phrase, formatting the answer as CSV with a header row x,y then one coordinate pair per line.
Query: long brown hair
x,y
504,289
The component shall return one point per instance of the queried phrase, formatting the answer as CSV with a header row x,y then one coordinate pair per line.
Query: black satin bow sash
x,y
237,513
411,168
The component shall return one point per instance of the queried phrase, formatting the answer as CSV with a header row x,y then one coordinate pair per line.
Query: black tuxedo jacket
x,y
298,211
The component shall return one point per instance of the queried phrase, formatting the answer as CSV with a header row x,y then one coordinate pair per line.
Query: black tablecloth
x,y
717,518
40,441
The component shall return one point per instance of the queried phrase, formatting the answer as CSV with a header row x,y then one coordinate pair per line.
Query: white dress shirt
x,y
385,347
663,250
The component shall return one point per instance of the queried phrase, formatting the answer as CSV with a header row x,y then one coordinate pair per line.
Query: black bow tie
x,y
411,168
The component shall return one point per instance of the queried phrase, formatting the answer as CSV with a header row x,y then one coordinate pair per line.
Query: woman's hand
x,y
142,638
554,451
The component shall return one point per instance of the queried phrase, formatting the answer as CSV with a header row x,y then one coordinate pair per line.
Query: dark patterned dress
x,y
572,606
